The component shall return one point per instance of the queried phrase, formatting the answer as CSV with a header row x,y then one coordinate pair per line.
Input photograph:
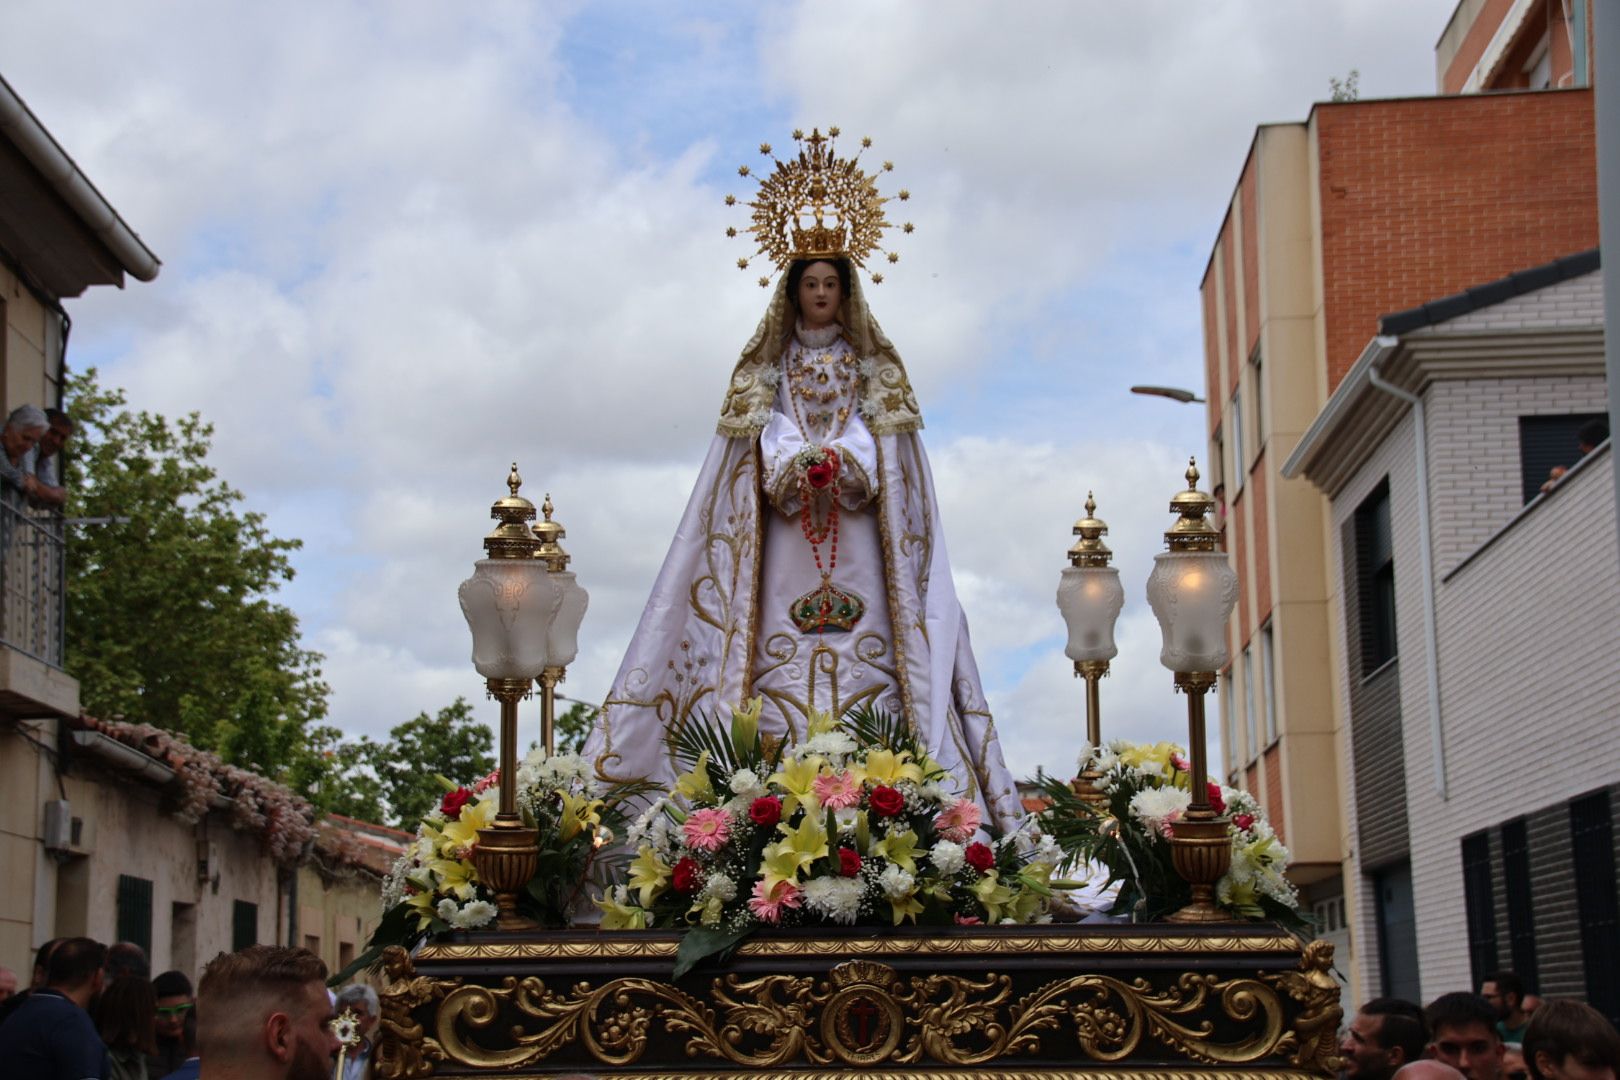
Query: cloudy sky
x,y
406,242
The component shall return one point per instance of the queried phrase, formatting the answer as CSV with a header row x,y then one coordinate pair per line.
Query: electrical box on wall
x,y
63,834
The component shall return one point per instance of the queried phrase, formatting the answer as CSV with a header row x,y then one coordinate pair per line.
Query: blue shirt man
x,y
50,1036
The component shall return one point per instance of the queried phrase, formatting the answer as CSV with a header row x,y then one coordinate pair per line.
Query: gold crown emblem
x,y
818,205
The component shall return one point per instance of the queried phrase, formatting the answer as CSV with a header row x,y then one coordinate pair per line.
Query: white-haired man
x,y
22,432
362,1001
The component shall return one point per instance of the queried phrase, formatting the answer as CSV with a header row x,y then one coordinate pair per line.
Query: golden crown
x,y
818,205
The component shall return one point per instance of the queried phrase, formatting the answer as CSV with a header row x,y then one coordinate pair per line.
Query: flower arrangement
x,y
434,887
852,825
1148,789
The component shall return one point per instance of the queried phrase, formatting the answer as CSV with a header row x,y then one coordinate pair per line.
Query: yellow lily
x,y
1153,758
577,812
993,895
461,834
795,777
616,916
820,723
908,908
800,846
422,903
648,875
456,876
695,785
888,767
900,849
708,911
745,724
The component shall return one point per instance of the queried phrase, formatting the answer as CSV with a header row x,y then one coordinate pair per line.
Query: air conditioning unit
x,y
58,830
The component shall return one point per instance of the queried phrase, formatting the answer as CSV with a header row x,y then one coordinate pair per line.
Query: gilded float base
x,y
1145,1002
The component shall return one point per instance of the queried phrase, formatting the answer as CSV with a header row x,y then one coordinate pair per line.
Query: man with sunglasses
x,y
1463,1034
176,1026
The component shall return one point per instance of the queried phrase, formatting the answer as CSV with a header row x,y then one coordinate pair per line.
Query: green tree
x,y
1346,89
451,744
344,779
171,612
574,727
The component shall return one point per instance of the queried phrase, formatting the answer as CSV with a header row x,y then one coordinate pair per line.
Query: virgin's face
x,y
820,293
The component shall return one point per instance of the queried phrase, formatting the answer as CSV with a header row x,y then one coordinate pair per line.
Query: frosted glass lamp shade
x,y
510,605
562,642
1090,598
1192,594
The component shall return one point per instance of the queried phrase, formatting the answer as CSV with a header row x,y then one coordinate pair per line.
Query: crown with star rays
x,y
817,205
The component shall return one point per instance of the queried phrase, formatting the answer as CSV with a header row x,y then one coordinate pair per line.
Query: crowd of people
x,y
91,1011
1500,1033
31,446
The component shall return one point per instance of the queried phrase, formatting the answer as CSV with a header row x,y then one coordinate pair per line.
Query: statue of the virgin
x,y
809,570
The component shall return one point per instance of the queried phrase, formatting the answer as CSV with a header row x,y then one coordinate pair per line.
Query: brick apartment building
x,y
1362,209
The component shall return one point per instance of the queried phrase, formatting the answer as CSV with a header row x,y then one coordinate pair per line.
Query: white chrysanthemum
x,y
1083,758
1157,808
1107,758
896,883
934,792
476,914
1048,850
719,887
448,910
746,783
829,744
947,857
836,898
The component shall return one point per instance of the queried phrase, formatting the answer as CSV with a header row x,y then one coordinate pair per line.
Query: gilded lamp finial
x,y
548,532
511,539
1089,550
1192,530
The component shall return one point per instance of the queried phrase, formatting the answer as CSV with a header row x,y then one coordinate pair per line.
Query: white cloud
x,y
399,252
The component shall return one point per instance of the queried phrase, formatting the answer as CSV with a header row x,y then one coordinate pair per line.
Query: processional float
x,y
1192,978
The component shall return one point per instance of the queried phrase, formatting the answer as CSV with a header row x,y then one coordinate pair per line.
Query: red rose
x,y
849,862
765,810
824,471
979,856
1244,821
685,876
886,801
1215,800
453,802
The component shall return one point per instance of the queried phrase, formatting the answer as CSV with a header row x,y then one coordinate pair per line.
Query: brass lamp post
x,y
562,635
507,603
1192,590
1090,597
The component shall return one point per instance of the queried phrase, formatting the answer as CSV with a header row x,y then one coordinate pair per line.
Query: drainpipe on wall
x,y
1437,735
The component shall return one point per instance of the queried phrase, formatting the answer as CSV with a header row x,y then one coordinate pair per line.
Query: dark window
x,y
135,911
1520,913
244,925
1591,833
1397,932
1548,441
1375,576
1479,905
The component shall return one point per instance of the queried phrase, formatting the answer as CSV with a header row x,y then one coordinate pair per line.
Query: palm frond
x,y
874,727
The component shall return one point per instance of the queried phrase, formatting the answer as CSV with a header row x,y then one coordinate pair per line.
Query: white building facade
x,y
1477,639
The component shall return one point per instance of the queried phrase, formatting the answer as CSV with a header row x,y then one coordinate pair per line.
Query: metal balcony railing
x,y
33,580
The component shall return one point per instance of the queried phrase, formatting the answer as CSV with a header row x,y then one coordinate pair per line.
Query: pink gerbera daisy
x,y
707,829
959,821
836,791
767,903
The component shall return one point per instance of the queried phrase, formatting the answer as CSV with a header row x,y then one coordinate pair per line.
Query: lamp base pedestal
x,y
1201,848
1085,786
506,859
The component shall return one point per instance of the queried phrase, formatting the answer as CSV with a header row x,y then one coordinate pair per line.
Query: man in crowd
x,y
1428,1069
264,1013
362,1000
1462,1033
176,1024
1505,991
50,1035
127,960
1386,1034
44,461
1568,1040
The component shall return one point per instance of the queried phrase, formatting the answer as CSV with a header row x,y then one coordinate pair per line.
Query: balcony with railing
x,y
33,605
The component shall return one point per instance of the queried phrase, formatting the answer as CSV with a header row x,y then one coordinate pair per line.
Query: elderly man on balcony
x,y
21,434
